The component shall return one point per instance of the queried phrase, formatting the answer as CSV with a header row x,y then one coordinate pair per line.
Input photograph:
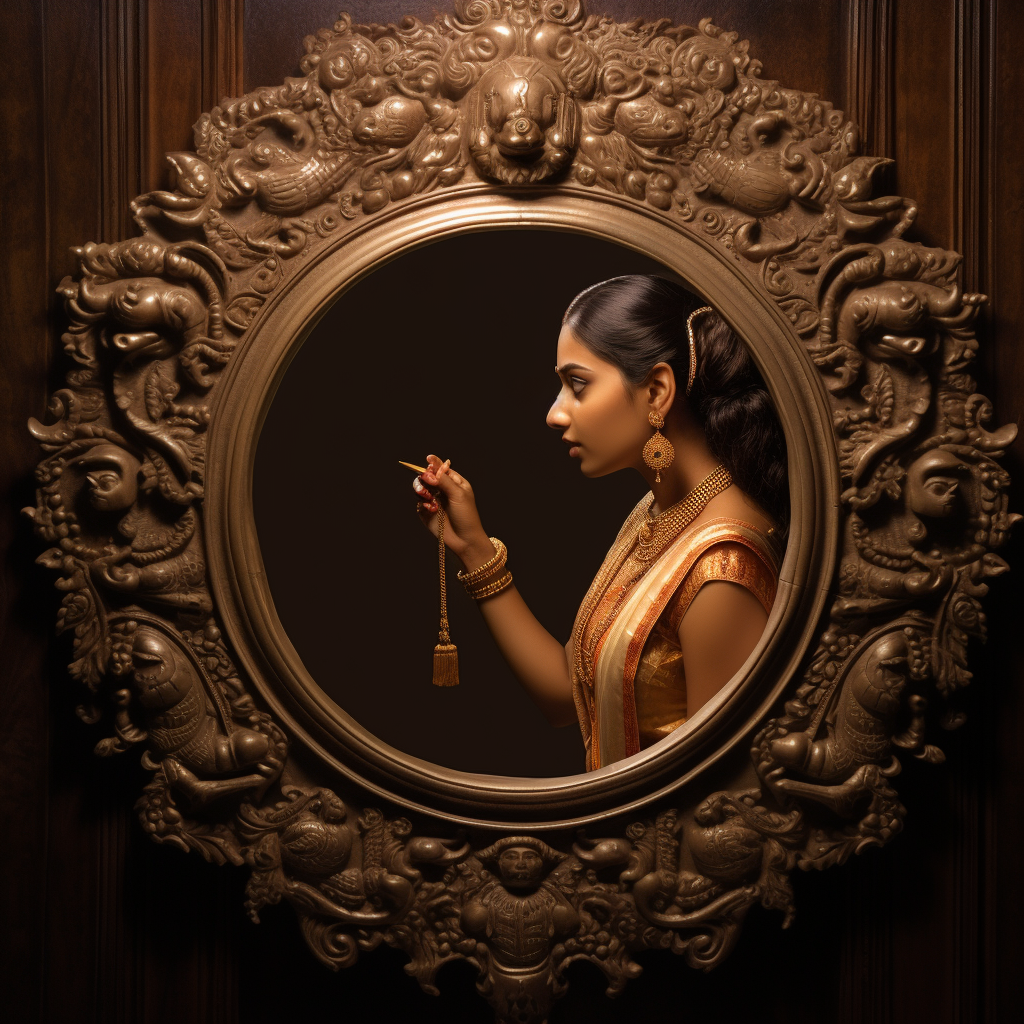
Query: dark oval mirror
x,y
448,349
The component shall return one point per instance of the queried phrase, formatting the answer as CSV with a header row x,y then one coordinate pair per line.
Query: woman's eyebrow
x,y
571,366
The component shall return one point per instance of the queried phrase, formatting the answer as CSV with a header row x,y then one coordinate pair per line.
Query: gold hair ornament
x,y
693,346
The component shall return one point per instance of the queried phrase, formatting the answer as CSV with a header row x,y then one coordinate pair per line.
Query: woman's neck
x,y
692,463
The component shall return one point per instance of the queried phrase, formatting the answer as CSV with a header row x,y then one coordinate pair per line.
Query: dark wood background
x,y
99,925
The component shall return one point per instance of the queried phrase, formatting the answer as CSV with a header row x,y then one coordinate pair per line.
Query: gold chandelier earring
x,y
658,452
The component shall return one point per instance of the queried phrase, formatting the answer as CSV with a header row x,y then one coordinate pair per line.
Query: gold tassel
x,y
446,665
446,654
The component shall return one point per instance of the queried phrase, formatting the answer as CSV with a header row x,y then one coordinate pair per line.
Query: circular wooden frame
x,y
243,595
518,114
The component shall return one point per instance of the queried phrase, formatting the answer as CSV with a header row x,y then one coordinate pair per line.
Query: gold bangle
x,y
475,588
490,589
488,568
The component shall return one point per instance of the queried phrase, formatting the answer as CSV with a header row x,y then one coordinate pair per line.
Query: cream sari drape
x,y
607,706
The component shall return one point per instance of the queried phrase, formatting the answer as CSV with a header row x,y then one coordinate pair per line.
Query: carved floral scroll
x,y
522,95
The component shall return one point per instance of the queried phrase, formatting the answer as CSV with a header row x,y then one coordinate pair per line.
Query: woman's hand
x,y
441,487
534,655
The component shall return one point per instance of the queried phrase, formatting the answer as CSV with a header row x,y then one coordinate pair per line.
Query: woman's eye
x,y
577,384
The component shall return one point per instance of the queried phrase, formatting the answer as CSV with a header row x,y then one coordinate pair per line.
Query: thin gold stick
x,y
419,469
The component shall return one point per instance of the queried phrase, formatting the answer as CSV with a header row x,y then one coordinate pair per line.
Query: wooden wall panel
x,y
24,705
189,58
799,42
870,73
101,925
932,100
1000,669
161,64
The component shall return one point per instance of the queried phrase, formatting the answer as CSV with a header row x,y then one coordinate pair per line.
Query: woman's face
x,y
598,414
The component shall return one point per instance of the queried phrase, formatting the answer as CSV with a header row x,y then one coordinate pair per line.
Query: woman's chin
x,y
589,469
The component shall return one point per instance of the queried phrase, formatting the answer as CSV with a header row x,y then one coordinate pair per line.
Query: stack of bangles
x,y
490,578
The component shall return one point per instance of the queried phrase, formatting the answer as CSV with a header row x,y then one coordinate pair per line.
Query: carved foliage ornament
x,y
676,121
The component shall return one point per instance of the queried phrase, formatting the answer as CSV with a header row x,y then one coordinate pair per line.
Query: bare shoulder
x,y
719,600
722,616
736,504
717,634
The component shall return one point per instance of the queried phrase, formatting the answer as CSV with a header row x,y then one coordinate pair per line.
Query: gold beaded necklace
x,y
655,530
654,535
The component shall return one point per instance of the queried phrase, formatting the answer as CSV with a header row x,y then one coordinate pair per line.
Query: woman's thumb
x,y
438,476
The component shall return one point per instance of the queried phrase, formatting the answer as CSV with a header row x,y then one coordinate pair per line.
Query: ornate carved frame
x,y
521,113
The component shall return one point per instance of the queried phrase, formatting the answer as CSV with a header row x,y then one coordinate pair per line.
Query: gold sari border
x,y
636,619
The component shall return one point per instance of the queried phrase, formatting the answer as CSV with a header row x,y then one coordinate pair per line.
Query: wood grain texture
x,y
223,35
172,82
1000,671
870,73
799,42
121,25
25,353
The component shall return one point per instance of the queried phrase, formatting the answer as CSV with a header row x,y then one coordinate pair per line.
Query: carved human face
x,y
933,484
649,122
520,866
395,122
152,666
596,411
108,491
111,478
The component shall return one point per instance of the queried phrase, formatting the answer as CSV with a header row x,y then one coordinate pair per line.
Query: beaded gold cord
x,y
446,655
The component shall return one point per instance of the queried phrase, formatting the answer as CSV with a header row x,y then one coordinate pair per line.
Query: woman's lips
x,y
574,451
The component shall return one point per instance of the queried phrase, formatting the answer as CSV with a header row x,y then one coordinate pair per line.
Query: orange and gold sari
x,y
628,679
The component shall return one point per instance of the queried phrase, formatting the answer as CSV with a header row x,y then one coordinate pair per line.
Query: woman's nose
x,y
557,418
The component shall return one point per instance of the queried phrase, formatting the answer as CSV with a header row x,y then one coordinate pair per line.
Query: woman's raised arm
x,y
538,660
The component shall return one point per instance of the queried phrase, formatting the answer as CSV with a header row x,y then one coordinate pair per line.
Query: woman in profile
x,y
655,381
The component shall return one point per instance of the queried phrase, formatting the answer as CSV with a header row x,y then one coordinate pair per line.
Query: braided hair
x,y
638,320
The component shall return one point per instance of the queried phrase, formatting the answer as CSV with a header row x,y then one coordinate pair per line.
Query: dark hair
x,y
639,320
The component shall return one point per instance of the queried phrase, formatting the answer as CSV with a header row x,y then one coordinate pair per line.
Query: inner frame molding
x,y
520,113
243,595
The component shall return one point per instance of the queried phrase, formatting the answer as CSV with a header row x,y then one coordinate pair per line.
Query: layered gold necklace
x,y
654,534
656,531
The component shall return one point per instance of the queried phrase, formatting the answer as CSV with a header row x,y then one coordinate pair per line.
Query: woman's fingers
x,y
428,501
441,477
438,479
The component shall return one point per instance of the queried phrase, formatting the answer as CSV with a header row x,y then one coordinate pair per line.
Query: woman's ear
x,y
660,389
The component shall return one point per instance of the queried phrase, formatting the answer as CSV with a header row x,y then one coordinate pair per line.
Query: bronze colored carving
x,y
511,113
